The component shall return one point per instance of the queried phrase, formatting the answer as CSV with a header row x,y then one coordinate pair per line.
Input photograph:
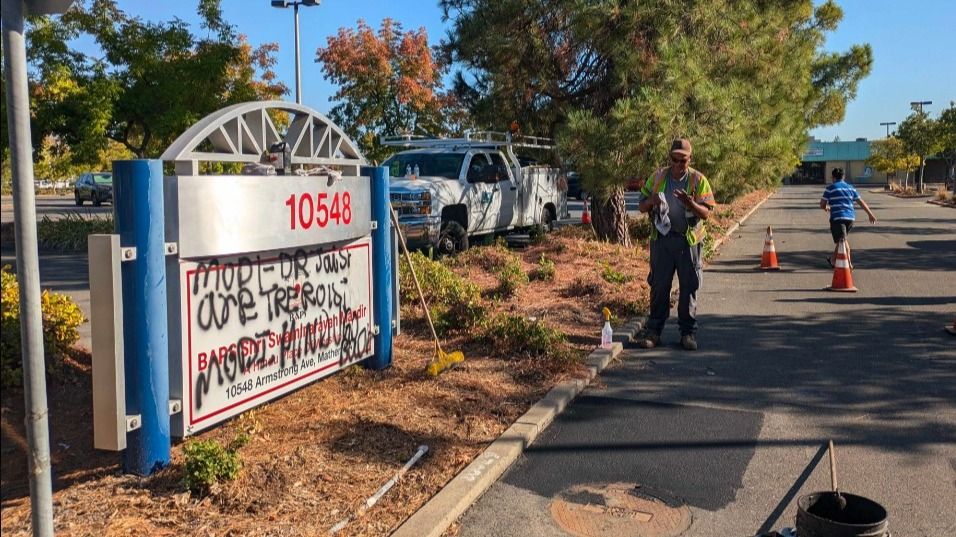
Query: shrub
x,y
511,277
640,229
453,302
208,463
537,234
517,336
70,232
942,194
544,271
61,318
491,258
612,275
582,286
623,308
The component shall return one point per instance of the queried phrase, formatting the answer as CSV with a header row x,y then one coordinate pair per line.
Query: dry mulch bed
x,y
317,454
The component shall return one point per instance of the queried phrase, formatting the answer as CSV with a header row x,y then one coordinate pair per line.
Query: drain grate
x,y
618,510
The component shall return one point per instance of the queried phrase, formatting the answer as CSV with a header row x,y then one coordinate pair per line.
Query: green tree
x,y
918,132
153,81
890,155
390,82
616,82
946,131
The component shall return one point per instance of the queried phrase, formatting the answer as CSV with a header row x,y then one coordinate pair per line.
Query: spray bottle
x,y
607,333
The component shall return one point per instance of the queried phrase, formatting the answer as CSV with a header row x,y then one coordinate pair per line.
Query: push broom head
x,y
443,360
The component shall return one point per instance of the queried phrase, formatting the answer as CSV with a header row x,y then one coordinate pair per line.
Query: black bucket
x,y
819,515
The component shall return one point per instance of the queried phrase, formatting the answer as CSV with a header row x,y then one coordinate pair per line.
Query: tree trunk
x,y
919,183
609,218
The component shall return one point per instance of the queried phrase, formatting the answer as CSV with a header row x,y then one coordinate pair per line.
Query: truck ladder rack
x,y
472,139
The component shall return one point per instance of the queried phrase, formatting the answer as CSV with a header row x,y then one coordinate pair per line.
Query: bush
x,y
453,302
640,229
624,308
612,275
537,234
517,336
544,271
582,286
61,318
511,277
942,194
70,232
492,258
208,463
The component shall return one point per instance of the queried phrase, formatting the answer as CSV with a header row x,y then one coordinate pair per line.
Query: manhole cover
x,y
618,510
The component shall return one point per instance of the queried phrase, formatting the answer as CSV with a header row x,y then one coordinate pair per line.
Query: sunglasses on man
x,y
680,160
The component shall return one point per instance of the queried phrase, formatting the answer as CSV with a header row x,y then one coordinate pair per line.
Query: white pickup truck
x,y
446,190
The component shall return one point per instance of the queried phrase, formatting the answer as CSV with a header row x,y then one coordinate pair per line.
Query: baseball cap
x,y
681,146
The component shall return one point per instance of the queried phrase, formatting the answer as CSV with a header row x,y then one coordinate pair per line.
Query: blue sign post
x,y
140,216
382,266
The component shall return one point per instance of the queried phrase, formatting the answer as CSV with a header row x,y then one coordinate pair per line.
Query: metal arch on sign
x,y
242,132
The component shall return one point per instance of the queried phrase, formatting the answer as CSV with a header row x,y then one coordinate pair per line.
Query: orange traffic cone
x,y
768,261
842,277
952,329
586,215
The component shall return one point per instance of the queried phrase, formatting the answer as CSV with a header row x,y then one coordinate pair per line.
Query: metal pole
x,y
140,217
28,270
298,82
383,265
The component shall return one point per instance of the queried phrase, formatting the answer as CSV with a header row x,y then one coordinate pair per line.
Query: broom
x,y
442,360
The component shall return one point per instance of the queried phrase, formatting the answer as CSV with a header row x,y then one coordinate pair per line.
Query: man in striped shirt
x,y
838,200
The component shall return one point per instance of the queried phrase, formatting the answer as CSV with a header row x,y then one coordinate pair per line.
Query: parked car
x,y
574,186
94,186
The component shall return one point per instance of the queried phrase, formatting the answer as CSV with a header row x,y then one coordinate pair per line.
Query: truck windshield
x,y
447,165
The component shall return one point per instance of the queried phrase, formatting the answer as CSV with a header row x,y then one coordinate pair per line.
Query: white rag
x,y
662,220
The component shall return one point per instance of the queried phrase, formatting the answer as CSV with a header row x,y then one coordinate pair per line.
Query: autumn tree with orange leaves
x,y
390,82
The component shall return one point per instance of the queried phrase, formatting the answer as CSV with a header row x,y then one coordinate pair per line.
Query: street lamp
x,y
295,6
887,125
918,105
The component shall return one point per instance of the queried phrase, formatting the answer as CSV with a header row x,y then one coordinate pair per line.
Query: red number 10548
x,y
304,209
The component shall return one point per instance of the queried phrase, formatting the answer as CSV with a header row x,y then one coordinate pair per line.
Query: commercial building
x,y
820,158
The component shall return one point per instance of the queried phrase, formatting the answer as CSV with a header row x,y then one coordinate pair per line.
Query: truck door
x,y
509,190
484,197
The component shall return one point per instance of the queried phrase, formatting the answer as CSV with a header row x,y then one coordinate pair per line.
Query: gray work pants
x,y
670,254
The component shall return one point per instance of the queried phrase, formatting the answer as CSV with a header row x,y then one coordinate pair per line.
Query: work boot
x,y
688,343
649,341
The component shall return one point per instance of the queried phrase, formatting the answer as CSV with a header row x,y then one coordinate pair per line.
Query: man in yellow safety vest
x,y
678,199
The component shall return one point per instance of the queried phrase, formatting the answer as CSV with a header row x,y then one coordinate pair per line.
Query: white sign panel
x,y
230,215
256,327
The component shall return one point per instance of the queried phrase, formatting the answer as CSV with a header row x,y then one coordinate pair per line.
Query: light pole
x,y
12,16
887,125
295,9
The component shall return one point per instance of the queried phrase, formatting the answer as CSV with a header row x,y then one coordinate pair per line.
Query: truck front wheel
x,y
452,239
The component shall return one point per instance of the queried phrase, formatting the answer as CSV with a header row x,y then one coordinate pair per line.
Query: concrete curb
x,y
433,518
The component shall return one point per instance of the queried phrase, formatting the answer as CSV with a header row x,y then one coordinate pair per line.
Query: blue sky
x,y
912,42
